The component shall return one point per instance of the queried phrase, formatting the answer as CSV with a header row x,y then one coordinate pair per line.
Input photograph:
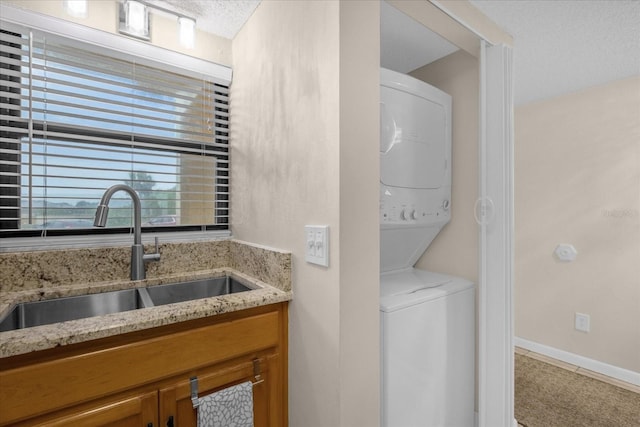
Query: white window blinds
x,y
76,120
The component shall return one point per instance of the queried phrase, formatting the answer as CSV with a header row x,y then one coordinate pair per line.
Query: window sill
x,y
24,244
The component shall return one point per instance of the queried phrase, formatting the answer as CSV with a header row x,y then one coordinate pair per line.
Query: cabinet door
x,y
176,408
136,411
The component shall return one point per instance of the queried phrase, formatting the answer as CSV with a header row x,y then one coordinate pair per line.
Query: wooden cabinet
x,y
135,411
143,378
176,407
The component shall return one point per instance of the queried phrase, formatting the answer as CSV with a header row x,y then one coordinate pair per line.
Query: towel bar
x,y
257,374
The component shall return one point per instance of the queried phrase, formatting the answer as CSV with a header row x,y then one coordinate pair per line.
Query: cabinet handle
x,y
170,421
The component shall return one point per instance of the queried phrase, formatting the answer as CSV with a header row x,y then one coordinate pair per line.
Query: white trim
x,y
442,6
123,46
483,358
612,371
24,244
476,422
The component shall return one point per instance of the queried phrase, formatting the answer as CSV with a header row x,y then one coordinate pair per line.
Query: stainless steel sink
x,y
29,314
187,291
37,313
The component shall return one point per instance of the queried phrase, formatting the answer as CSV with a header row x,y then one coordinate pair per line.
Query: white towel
x,y
231,407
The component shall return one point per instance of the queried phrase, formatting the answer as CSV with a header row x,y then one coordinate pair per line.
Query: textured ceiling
x,y
564,46
221,17
560,46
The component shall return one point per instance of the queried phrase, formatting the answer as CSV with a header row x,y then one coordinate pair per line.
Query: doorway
x,y
430,43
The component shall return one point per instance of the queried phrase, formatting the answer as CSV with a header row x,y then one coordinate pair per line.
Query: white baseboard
x,y
580,361
476,422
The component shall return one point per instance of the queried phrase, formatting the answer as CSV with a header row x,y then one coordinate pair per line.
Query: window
x,y
77,119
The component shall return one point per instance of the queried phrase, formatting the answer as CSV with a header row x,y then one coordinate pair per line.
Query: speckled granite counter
x,y
34,276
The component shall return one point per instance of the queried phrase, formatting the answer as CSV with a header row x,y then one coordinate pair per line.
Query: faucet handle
x,y
154,256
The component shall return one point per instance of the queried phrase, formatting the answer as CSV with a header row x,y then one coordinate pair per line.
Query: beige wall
x,y
577,173
304,138
285,154
103,15
455,250
359,213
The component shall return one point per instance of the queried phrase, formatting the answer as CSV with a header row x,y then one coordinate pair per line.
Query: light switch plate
x,y
317,244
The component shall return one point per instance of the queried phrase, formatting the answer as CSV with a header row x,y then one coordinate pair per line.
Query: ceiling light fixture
x,y
133,19
77,8
187,31
137,17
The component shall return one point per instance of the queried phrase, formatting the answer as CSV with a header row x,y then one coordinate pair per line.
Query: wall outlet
x,y
583,322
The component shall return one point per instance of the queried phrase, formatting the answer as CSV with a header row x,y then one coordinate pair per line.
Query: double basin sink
x,y
29,314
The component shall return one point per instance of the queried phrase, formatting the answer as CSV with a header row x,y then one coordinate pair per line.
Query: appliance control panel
x,y
404,206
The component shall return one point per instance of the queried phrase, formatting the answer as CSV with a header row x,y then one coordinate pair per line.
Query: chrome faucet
x,y
138,257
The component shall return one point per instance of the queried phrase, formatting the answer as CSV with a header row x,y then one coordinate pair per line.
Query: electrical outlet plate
x,y
317,244
583,322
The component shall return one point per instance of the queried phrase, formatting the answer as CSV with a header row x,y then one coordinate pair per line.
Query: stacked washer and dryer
x,y
427,319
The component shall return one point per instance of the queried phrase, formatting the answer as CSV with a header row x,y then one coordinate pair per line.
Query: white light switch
x,y
317,244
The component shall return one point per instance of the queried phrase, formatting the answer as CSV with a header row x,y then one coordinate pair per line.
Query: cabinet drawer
x,y
42,387
134,411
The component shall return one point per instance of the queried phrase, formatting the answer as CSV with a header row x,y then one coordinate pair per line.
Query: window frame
x,y
15,19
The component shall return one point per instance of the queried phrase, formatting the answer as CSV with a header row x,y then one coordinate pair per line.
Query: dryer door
x,y
413,145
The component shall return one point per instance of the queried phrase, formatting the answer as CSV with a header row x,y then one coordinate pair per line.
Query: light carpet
x,y
549,396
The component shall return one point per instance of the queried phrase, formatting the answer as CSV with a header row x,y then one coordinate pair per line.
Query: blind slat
x,y
119,123
130,91
195,147
194,109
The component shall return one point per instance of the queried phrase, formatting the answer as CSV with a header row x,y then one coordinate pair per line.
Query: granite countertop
x,y
43,337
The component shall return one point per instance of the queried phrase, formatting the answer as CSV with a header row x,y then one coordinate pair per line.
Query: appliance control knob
x,y
414,215
445,204
403,215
